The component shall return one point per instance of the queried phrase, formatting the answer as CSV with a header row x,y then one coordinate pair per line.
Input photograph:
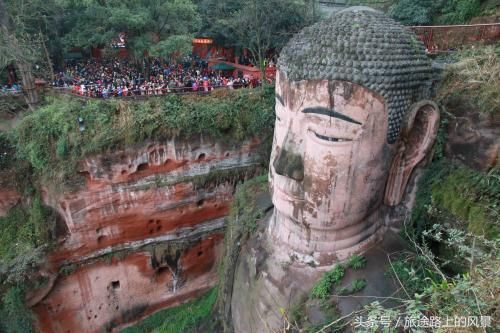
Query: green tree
x,y
415,12
266,25
152,27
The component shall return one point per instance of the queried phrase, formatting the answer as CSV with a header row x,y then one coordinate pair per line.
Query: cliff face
x,y
143,233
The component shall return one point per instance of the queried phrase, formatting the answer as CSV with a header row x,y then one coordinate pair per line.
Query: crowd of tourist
x,y
118,78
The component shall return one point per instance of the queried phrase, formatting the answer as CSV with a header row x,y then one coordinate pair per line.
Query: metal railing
x,y
443,38
142,94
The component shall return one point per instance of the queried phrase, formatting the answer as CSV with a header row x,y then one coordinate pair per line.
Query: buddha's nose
x,y
289,164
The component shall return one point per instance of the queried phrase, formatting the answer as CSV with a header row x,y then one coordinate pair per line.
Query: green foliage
x,y
324,286
52,143
241,222
413,272
458,11
23,229
473,79
429,292
7,151
179,319
356,261
149,25
15,316
258,25
353,287
424,12
414,12
451,193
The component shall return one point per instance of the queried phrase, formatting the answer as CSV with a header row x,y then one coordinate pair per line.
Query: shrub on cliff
x,y
52,141
474,79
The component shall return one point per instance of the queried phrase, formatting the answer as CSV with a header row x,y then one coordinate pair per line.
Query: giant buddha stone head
x,y
352,123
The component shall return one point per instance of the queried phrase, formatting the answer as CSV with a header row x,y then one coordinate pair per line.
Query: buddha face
x,y
330,158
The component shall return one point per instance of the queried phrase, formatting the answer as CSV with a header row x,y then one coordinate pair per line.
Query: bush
x,y
353,287
425,12
324,286
458,11
356,261
454,194
25,228
474,79
413,12
178,319
15,316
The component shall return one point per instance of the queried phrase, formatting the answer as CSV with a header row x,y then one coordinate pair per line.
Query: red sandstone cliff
x,y
144,232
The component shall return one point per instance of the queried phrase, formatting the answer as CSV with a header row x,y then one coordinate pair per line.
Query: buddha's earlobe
x,y
417,138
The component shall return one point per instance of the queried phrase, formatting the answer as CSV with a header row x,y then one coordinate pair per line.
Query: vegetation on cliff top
x,y
51,141
474,79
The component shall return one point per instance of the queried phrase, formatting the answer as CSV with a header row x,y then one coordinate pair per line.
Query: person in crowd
x,y
106,78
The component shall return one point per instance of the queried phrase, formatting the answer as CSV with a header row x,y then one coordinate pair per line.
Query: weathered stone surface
x,y
473,137
350,131
108,294
144,193
157,213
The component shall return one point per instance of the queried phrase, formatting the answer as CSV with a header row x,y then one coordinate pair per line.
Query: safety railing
x,y
443,38
141,94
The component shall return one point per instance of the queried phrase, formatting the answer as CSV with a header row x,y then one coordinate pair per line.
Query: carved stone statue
x,y
351,124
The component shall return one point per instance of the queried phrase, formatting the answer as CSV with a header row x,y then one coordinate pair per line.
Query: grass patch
x,y
323,287
353,287
356,262
474,79
179,319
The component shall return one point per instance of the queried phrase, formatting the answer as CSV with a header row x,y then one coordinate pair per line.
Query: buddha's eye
x,y
330,138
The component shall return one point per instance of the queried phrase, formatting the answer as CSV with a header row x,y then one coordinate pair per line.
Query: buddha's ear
x,y
417,137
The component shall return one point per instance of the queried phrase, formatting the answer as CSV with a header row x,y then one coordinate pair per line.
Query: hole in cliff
x,y
167,161
150,221
157,221
200,202
142,167
201,157
227,154
249,154
85,174
158,228
161,151
200,253
124,172
216,205
117,308
100,239
115,284
163,270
